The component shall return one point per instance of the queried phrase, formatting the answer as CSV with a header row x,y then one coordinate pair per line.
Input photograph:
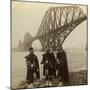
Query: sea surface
x,y
77,60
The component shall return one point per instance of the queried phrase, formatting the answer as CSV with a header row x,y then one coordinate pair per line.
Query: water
x,y
76,61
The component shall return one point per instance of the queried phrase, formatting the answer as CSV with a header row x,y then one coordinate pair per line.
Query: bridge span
x,y
57,24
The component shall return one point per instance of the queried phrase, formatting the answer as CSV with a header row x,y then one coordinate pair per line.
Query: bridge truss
x,y
57,24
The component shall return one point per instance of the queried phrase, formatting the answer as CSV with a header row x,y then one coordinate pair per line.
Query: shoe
x,y
50,83
30,85
60,84
47,83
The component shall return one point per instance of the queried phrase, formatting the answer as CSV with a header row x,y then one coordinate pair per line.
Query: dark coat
x,y
54,62
31,59
62,66
47,64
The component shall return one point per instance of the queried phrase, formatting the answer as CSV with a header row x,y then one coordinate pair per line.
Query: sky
x,y
27,17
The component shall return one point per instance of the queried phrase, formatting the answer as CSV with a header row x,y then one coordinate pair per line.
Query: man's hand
x,y
57,61
46,61
32,65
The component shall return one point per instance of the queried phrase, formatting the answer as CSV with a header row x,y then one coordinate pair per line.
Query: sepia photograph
x,y
49,44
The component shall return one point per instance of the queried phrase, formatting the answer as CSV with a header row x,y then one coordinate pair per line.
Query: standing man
x,y
32,67
62,66
47,66
54,62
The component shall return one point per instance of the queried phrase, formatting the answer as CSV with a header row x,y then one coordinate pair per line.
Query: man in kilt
x,y
47,66
54,62
32,67
62,66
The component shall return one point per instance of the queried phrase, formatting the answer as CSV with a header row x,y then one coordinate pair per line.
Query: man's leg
x,y
47,77
31,79
50,76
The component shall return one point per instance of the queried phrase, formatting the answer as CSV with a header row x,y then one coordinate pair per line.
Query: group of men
x,y
53,67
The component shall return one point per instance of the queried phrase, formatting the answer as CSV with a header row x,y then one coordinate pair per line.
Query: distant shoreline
x,y
70,49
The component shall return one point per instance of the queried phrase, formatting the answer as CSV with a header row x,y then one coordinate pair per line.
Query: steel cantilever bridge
x,y
57,24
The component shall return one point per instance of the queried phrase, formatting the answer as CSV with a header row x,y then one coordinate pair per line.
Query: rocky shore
x,y
75,78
